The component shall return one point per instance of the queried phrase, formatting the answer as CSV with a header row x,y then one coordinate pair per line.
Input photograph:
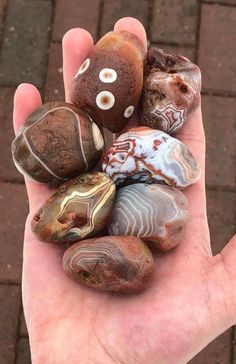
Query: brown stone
x,y
188,52
9,313
221,217
75,14
14,207
217,48
113,10
220,127
217,352
8,170
23,352
54,88
174,21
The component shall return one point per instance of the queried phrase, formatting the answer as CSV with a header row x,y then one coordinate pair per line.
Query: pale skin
x,y
190,301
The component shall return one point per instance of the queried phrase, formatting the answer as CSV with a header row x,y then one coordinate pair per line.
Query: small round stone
x,y
108,75
79,208
105,100
110,263
129,111
58,141
84,66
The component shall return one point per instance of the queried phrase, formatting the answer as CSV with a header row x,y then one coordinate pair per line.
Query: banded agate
x,y
80,208
171,90
122,263
108,84
146,155
58,141
155,213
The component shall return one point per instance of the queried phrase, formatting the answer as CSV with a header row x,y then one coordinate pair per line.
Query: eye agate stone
x,y
58,141
157,214
80,208
171,90
108,85
110,263
146,155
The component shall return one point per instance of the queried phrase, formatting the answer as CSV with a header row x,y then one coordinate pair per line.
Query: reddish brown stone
x,y
217,48
14,206
114,10
220,126
23,351
221,208
8,170
188,52
75,14
217,352
9,313
23,327
174,21
54,88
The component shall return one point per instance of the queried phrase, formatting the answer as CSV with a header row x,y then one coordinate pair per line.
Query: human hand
x,y
191,300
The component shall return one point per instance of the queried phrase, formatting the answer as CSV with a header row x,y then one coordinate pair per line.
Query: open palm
x,y
190,301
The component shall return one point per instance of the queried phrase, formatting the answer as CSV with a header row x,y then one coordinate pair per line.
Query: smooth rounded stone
x,y
147,155
58,141
109,83
80,208
155,213
109,263
171,90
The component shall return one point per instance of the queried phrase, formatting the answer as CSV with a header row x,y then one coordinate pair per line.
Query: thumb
x,y
223,285
228,258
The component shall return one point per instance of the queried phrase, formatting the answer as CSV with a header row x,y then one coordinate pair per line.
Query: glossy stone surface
x,y
121,263
108,85
80,208
58,141
147,155
155,213
171,90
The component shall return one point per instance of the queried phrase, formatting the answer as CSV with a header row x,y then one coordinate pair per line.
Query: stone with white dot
x,y
129,111
105,100
84,66
107,75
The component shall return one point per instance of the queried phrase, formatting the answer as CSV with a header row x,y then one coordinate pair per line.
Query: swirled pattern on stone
x,y
171,90
155,213
121,263
80,208
147,155
112,84
58,141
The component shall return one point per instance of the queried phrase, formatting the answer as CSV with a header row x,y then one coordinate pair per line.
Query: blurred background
x,y
30,51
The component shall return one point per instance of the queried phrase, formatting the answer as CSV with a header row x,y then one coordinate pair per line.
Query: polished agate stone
x,y
146,155
58,141
109,263
108,85
171,90
155,213
80,208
